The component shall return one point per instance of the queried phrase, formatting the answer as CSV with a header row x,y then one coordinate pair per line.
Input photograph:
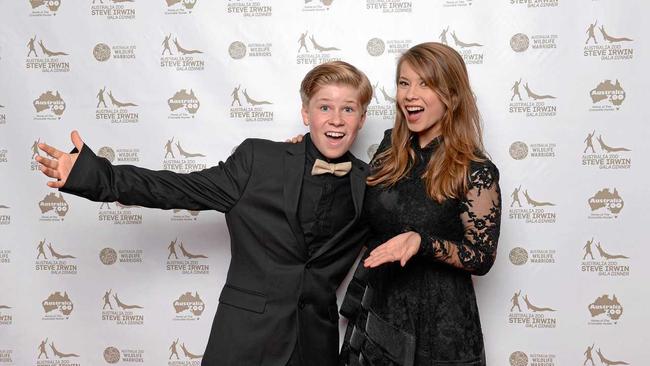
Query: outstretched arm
x,y
89,176
481,217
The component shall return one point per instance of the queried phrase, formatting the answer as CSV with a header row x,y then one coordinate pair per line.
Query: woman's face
x,y
420,104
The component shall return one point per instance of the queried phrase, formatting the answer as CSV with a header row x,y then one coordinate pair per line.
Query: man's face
x,y
334,116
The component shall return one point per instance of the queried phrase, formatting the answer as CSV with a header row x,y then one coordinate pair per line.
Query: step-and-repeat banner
x,y
177,84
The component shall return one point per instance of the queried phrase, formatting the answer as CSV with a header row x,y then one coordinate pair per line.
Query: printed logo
x,y
183,105
53,356
121,155
520,256
605,204
395,47
103,52
180,7
57,306
381,108
5,219
318,53
6,356
57,263
53,207
390,6
252,110
3,156
118,112
605,311
120,215
520,42
5,254
535,104
183,59
44,7
250,8
519,150
122,314
534,316
519,358
610,47
603,360
185,162
536,3
49,106
456,3
607,157
471,52
606,96
110,256
3,116
119,9
532,211
317,5
607,264
238,50
189,263
5,317
187,359
113,355
188,306
48,61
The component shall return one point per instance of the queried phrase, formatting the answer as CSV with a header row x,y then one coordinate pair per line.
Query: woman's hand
x,y
400,248
295,140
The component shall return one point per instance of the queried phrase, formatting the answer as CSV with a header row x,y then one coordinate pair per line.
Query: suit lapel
x,y
294,167
358,175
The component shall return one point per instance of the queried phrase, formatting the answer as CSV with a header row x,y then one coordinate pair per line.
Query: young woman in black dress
x,y
433,206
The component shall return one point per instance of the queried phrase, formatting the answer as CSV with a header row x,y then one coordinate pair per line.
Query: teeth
x,y
414,109
334,134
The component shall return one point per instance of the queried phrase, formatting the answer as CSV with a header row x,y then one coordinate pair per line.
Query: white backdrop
x,y
560,85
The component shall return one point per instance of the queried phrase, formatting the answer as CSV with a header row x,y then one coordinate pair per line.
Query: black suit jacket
x,y
275,295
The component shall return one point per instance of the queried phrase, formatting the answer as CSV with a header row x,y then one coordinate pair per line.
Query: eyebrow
x,y
324,99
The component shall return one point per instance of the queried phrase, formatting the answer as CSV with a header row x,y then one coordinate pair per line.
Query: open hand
x,y
60,164
295,140
400,248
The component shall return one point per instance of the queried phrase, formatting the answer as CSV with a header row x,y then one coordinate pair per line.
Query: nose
x,y
337,118
411,93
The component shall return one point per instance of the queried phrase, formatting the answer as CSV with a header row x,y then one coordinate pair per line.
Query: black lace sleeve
x,y
481,217
383,145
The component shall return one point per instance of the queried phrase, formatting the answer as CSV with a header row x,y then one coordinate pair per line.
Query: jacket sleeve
x,y
217,188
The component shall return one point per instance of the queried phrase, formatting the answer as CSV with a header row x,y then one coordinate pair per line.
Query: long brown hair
x,y
446,175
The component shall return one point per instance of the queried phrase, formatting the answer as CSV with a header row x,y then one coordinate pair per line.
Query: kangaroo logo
x,y
462,44
184,51
608,256
611,39
252,101
186,154
608,362
535,203
188,354
57,255
319,47
535,96
609,149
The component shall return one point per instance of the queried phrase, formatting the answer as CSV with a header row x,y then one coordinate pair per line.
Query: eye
x,y
348,109
423,84
403,83
324,108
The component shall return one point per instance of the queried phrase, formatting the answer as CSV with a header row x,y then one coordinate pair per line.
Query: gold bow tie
x,y
323,167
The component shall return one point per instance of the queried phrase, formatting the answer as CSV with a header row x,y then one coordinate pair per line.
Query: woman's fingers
x,y
50,150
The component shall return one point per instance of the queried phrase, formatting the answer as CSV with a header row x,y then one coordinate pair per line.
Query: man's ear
x,y
305,115
363,119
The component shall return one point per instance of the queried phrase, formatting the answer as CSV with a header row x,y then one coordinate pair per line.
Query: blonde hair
x,y
336,72
446,175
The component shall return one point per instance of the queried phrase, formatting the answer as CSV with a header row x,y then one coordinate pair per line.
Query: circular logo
x,y
189,4
112,355
108,256
375,47
518,150
518,256
327,2
372,150
102,52
107,153
237,50
519,42
518,358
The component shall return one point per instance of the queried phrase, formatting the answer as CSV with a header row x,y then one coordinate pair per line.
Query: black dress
x,y
424,313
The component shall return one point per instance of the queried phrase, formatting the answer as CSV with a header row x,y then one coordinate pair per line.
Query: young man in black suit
x,y
293,215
